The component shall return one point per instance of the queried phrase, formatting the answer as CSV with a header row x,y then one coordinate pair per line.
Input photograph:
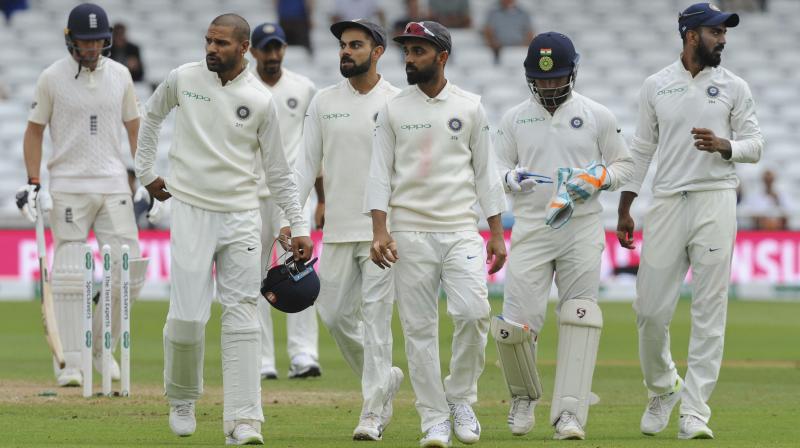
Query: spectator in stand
x,y
126,53
9,7
507,25
768,207
414,13
450,13
357,9
294,16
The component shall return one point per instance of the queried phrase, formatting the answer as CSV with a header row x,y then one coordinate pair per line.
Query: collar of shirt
x,y
355,92
101,63
705,72
443,95
243,74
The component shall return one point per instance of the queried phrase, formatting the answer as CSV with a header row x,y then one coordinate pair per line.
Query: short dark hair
x,y
241,29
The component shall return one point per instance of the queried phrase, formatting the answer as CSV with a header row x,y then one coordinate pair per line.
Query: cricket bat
x,y
48,313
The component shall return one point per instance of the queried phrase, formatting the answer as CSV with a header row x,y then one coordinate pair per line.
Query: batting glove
x,y
560,207
26,200
585,183
153,205
520,180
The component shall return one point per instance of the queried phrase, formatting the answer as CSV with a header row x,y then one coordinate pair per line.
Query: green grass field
x,y
756,403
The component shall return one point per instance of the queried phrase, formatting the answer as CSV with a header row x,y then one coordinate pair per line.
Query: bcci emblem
x,y
712,91
292,103
546,63
455,124
242,112
576,122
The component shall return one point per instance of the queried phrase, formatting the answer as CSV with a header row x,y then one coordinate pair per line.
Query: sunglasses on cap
x,y
418,29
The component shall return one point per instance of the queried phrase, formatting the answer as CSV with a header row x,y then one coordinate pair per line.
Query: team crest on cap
x,y
712,91
546,63
576,122
242,112
268,28
455,124
292,103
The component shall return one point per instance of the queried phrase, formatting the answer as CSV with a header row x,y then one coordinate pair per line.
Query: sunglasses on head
x,y
418,29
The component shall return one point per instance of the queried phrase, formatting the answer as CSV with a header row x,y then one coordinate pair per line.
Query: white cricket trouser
x,y
111,216
456,262
355,304
230,242
302,330
694,229
572,252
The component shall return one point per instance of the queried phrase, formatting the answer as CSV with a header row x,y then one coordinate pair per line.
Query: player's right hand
x,y
158,189
625,225
384,250
26,200
520,180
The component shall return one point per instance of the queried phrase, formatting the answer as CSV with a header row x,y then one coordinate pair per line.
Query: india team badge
x,y
292,103
455,124
576,122
546,59
712,91
242,112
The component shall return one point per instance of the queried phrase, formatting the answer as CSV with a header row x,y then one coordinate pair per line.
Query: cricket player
x,y
86,98
698,119
225,118
292,94
432,161
356,297
555,128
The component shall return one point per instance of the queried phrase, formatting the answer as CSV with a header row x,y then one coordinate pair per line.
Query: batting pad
x,y
580,322
184,346
516,347
67,288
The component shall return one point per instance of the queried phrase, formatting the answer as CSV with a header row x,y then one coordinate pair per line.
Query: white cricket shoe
x,y
97,362
395,379
568,428
244,434
520,416
304,366
692,427
437,436
369,428
181,417
659,408
69,377
465,423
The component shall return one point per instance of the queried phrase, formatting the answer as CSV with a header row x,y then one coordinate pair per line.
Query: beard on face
x,y
355,69
217,64
415,75
272,67
708,58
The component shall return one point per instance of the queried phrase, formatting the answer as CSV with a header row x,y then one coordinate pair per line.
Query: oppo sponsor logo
x,y
529,120
415,126
195,96
335,116
671,91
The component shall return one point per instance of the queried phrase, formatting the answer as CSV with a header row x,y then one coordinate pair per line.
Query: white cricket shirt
x,y
219,130
432,160
579,132
85,115
292,94
338,142
671,103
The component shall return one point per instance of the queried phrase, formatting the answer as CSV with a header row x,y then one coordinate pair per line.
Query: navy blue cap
x,y
265,33
550,55
373,29
705,14
88,21
433,32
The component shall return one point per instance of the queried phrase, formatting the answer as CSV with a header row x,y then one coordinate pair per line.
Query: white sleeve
x,y
309,158
163,100
645,141
505,146
488,186
615,153
379,182
279,176
748,143
42,106
130,105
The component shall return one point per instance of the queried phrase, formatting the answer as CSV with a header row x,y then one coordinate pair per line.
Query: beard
x,y
272,67
217,64
355,70
708,58
420,75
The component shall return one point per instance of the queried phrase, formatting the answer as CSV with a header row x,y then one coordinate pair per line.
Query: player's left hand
x,y
153,206
302,248
495,253
585,183
706,140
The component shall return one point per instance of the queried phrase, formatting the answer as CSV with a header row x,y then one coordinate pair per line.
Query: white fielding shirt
x,y
338,142
292,95
85,115
219,130
579,132
432,161
671,103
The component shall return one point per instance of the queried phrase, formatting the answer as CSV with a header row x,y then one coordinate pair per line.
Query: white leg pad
x,y
67,288
516,347
184,344
580,322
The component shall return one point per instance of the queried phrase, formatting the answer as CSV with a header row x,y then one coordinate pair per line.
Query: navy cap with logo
x,y
373,29
705,14
266,33
291,286
550,55
88,21
433,32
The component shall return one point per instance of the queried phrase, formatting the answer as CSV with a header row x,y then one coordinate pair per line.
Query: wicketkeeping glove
x,y
585,183
26,200
560,208
520,180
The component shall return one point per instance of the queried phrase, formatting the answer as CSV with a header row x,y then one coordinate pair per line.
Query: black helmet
x,y
291,286
87,21
551,55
